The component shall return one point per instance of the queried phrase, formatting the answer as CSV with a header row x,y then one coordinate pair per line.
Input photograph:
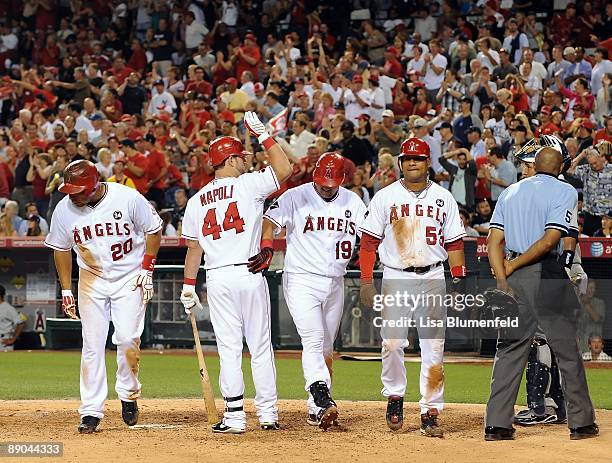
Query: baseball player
x,y
535,272
415,225
116,235
321,219
223,221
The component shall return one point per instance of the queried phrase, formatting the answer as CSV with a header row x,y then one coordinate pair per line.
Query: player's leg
x,y
430,321
225,316
254,298
542,408
95,318
127,313
394,340
333,307
304,295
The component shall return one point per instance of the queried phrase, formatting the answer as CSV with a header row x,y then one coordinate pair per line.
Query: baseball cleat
x,y
88,425
429,425
270,426
493,433
129,412
395,412
584,432
221,427
327,417
312,419
322,399
529,417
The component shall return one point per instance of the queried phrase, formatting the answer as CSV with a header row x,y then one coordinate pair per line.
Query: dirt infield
x,y
363,436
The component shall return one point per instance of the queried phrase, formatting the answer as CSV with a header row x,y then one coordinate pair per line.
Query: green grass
x,y
55,375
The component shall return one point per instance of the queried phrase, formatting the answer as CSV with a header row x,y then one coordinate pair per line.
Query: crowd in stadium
x,y
141,87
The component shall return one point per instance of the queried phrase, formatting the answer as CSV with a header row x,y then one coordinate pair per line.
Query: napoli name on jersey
x,y
109,237
225,217
413,228
320,234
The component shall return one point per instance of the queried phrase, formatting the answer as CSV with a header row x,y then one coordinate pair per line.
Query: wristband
x,y
568,258
458,271
148,262
66,292
267,142
189,281
267,244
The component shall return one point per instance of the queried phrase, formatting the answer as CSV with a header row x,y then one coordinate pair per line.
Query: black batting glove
x,y
260,262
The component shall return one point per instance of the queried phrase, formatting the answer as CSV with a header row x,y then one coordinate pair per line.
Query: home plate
x,y
156,426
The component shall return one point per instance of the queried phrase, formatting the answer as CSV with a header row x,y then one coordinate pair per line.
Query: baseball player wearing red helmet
x,y
415,226
321,220
223,222
116,235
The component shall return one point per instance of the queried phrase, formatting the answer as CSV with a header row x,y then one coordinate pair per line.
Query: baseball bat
x,y
207,392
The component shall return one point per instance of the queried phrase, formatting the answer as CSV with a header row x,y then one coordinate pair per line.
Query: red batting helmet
x,y
224,147
414,148
80,177
329,170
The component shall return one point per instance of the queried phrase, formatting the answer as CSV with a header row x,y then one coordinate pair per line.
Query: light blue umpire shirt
x,y
527,208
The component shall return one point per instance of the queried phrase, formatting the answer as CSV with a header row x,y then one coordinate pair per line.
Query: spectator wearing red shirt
x,y
38,173
50,55
604,133
581,96
156,169
120,70
199,85
46,14
247,57
7,181
138,60
136,165
199,169
562,25
393,68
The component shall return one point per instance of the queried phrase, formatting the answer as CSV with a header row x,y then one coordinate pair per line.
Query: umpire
x,y
536,276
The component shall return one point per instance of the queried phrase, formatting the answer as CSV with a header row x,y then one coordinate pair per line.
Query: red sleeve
x,y
367,256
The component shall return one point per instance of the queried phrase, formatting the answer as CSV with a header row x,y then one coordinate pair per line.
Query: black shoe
x,y
322,399
129,412
271,426
395,412
497,433
221,427
584,432
88,424
429,425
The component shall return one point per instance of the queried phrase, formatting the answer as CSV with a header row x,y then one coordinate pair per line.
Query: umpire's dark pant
x,y
547,298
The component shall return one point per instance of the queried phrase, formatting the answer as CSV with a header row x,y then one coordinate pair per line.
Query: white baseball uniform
x,y
320,241
413,229
109,241
225,217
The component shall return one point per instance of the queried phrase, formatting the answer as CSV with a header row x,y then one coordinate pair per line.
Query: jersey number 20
x,y
231,220
118,250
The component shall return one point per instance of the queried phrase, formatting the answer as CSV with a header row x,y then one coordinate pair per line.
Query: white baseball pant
x,y
315,303
239,304
100,302
431,341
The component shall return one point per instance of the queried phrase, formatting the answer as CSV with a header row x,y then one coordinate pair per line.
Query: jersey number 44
x,y
231,220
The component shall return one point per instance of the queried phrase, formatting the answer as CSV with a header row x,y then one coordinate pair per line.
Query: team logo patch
x,y
117,215
439,202
347,214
